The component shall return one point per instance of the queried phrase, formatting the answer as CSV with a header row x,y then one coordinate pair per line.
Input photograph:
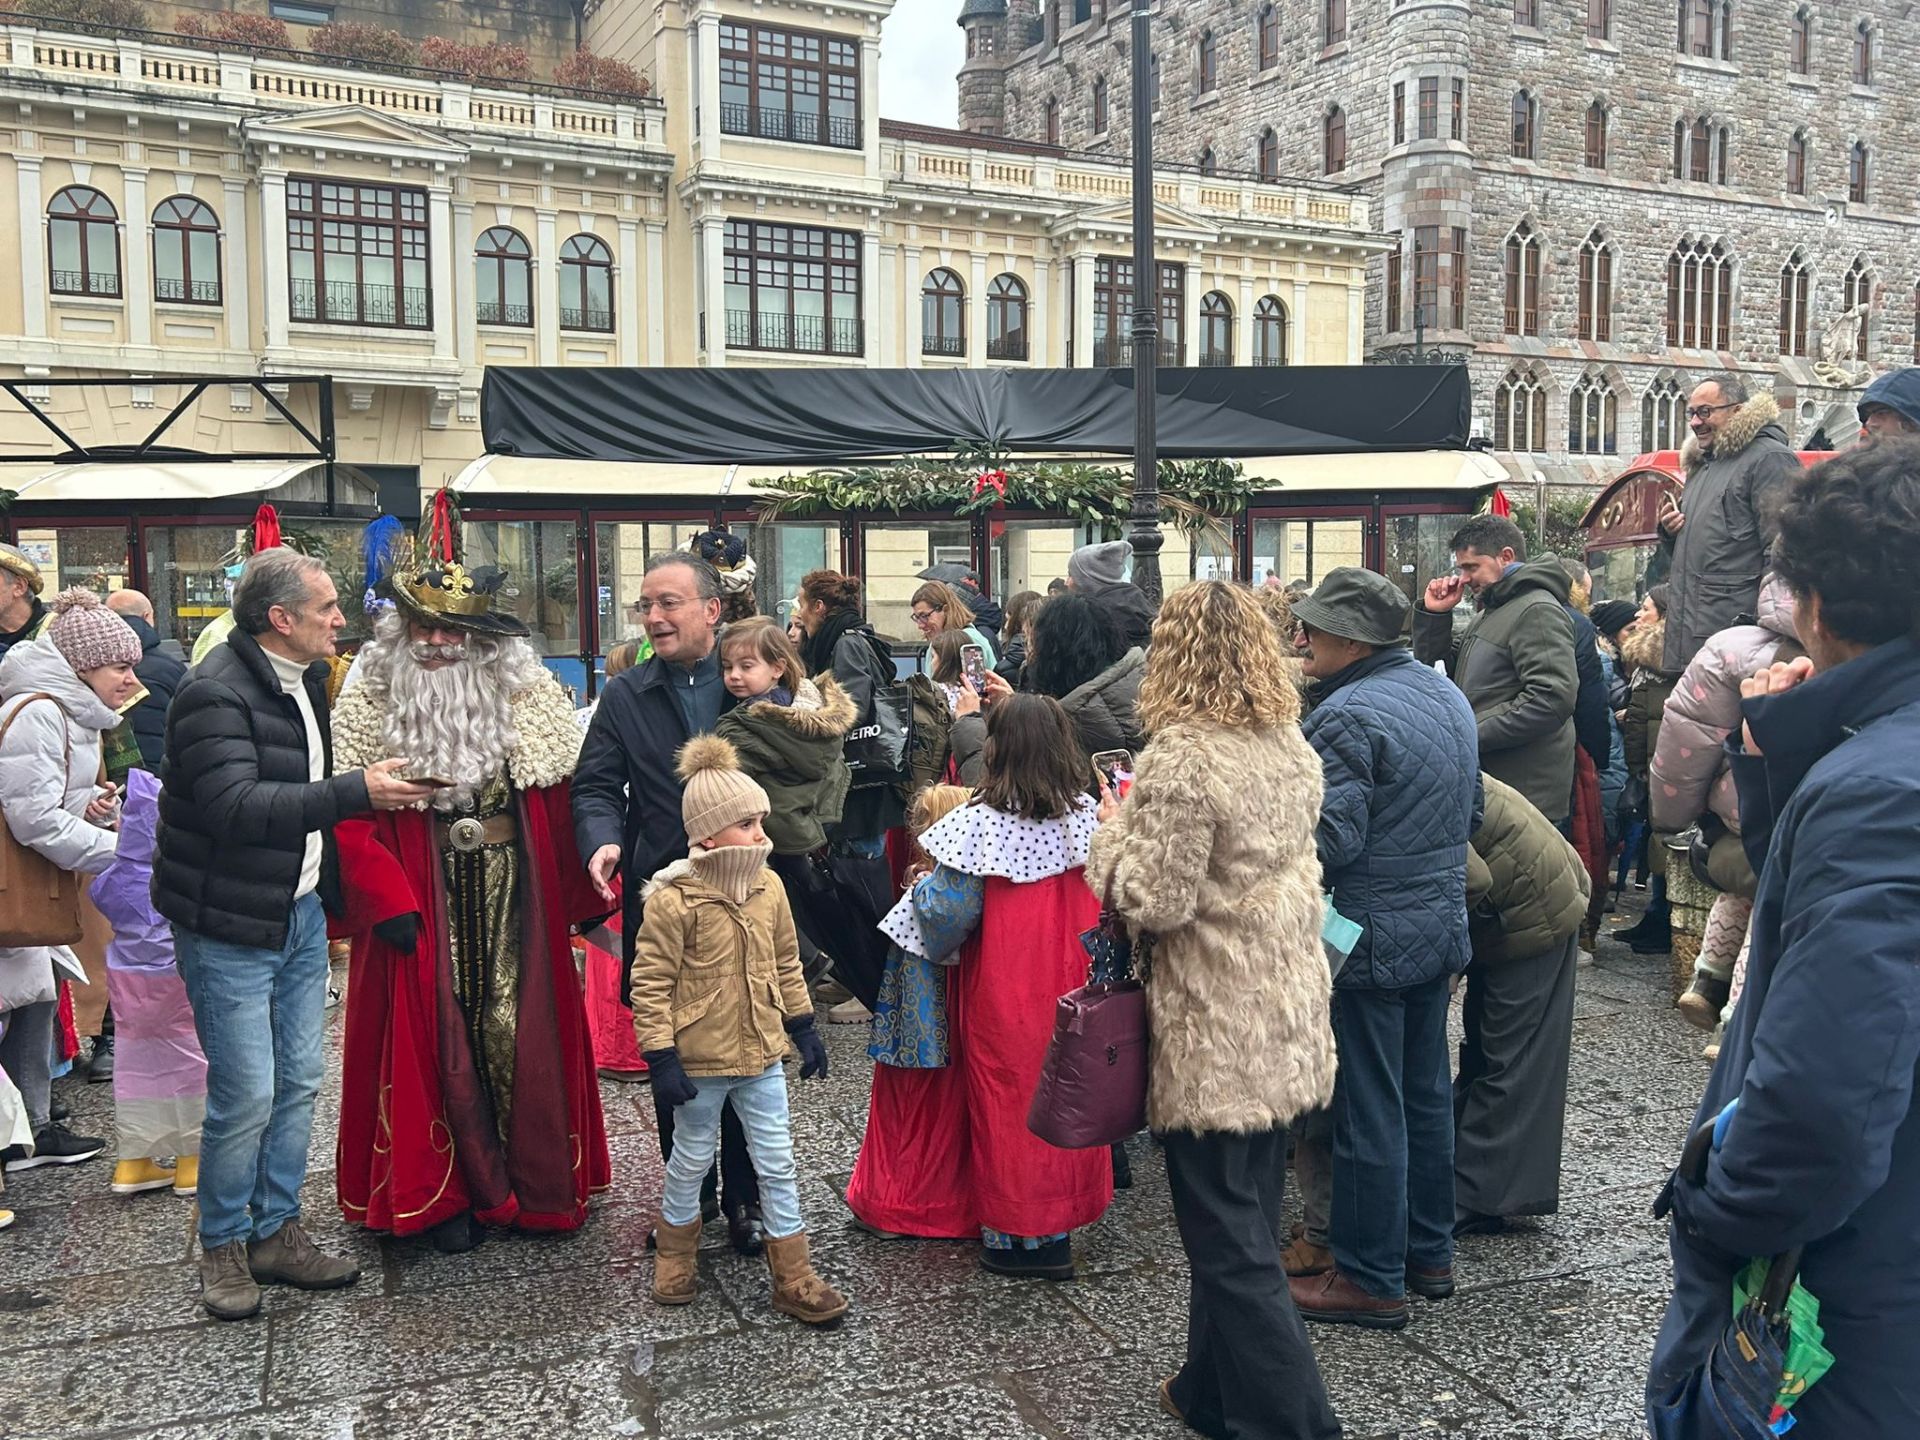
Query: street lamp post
x,y
1143,528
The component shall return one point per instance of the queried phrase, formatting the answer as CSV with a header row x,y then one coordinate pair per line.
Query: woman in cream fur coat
x,y
1212,852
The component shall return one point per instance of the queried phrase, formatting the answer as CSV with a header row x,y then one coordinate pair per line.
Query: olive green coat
x,y
796,753
1526,888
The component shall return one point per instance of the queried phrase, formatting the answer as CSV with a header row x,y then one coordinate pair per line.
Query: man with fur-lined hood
x,y
1720,531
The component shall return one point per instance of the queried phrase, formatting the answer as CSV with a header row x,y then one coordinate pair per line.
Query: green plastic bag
x,y
1807,1355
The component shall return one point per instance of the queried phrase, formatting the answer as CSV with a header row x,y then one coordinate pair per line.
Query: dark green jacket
x,y
1516,667
795,752
1526,888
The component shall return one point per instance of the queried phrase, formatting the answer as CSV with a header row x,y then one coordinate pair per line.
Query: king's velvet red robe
x,y
418,1143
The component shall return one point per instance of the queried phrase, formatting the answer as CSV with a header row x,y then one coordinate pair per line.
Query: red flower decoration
x,y
996,480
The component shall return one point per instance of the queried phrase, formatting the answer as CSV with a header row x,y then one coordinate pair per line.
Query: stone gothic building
x,y
1597,202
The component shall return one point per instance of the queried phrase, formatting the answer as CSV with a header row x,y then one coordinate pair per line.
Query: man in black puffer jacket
x,y
243,854
161,670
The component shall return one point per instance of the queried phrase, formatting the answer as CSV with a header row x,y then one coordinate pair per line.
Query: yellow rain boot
x,y
130,1177
186,1175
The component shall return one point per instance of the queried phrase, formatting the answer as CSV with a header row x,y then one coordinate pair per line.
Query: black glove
x,y
813,1050
402,932
671,1087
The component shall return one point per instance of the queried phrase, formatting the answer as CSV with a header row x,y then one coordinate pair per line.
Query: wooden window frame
x,y
171,226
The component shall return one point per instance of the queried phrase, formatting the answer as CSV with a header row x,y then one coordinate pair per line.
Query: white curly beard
x,y
456,722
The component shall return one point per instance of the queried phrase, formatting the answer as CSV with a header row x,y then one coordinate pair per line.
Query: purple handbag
x,y
1093,1085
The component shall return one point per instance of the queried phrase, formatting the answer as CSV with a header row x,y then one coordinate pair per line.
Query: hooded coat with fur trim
x,y
1731,501
796,752
1644,647
1213,853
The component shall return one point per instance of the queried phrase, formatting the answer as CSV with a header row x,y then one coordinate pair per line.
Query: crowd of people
x,y
1322,817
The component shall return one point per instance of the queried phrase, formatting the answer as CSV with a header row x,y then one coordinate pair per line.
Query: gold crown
x,y
447,591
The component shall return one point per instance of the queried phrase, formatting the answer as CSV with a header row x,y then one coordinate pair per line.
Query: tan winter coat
x,y
1213,852
716,980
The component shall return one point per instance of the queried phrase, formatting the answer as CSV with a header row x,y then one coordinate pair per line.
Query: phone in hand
x,y
434,780
973,664
1116,768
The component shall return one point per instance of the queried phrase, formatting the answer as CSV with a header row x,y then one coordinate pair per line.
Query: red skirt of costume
x,y
418,1143
609,1021
948,1151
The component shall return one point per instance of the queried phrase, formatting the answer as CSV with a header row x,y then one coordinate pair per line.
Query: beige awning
x,y
191,480
1378,471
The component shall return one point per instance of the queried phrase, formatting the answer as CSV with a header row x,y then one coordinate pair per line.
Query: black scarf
x,y
818,651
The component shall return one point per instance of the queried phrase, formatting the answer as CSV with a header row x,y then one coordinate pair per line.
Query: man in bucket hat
x,y
1402,797
22,616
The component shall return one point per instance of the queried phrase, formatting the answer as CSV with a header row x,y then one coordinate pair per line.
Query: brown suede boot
x,y
797,1291
1303,1257
675,1281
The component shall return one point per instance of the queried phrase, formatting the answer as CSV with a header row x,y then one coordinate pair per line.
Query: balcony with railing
x,y
1215,359
1011,346
801,126
186,292
948,347
1117,350
499,312
348,302
87,282
795,334
572,317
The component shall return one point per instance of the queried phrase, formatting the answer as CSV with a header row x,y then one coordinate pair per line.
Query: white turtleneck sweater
x,y
292,677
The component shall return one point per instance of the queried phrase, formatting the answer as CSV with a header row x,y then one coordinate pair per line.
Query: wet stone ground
x,y
553,1337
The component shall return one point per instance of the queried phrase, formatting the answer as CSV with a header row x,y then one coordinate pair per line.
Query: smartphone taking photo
x,y
973,664
1116,768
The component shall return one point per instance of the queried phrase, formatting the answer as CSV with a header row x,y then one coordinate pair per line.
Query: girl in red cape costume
x,y
418,1143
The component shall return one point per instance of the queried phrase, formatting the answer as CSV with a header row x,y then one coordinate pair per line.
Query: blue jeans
x,y
761,1103
262,1017
1392,1135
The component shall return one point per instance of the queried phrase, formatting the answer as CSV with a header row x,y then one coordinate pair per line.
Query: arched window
x,y
1333,22
1523,280
1520,413
1526,12
586,284
1269,36
1333,141
1863,53
1100,116
1216,329
1599,19
83,239
943,314
1796,287
1797,154
503,278
1596,288
1525,114
1209,63
1053,121
1270,332
1800,42
1700,296
1596,136
1706,29
1856,290
186,252
1007,318
1857,172
1700,150
1663,414
1593,418
1209,163
1153,80
1268,156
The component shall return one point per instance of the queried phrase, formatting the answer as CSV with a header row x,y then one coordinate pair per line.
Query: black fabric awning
x,y
759,416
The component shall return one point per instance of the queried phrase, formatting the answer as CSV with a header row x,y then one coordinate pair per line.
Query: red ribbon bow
x,y
991,479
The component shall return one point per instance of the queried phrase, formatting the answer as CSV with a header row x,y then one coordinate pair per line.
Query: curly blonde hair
x,y
1216,658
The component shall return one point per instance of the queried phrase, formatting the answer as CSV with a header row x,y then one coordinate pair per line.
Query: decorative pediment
x,y
1168,221
355,130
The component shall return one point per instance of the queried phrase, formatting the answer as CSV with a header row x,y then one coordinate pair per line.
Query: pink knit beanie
x,y
88,634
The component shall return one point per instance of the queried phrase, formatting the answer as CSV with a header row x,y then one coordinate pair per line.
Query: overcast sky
x,y
921,50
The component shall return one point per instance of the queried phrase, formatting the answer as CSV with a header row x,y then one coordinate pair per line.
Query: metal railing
x,y
573,318
1116,350
348,302
189,292
1270,359
498,312
798,334
803,126
1008,347
87,282
1215,359
953,347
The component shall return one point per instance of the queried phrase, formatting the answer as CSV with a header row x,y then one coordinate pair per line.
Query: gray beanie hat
x,y
1093,568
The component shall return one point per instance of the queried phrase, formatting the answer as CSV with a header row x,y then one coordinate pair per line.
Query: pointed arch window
x,y
1333,141
1858,165
1663,415
1599,19
1523,280
1333,22
186,252
1209,162
83,243
1706,29
943,314
1863,53
1596,289
1209,63
503,272
1520,413
1525,117
1100,116
1800,42
1007,318
1053,121
1270,332
586,284
1700,296
1700,151
1269,36
1216,329
1857,290
1596,136
1268,156
1797,157
1526,12
1796,287
1593,416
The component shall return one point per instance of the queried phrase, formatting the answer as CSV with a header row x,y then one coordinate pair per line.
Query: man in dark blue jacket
x,y
1402,797
1822,1149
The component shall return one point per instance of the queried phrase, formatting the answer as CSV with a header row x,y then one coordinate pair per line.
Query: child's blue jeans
x,y
761,1103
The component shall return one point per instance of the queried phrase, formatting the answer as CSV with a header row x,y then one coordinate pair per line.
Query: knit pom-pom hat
x,y
719,793
90,635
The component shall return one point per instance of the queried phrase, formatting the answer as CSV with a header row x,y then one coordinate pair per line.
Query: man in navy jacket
x,y
1822,1150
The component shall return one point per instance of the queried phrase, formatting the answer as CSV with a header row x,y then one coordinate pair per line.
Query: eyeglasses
x,y
924,617
669,605
1700,412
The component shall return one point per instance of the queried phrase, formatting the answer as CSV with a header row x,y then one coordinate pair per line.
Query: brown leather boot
x,y
797,1291
1333,1299
675,1281
1303,1257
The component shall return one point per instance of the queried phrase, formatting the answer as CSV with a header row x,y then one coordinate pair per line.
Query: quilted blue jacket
x,y
1402,798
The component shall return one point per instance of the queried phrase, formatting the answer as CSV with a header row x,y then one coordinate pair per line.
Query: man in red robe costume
x,y
468,1095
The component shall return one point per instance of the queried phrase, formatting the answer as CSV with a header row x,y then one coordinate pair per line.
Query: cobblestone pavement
x,y
552,1337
